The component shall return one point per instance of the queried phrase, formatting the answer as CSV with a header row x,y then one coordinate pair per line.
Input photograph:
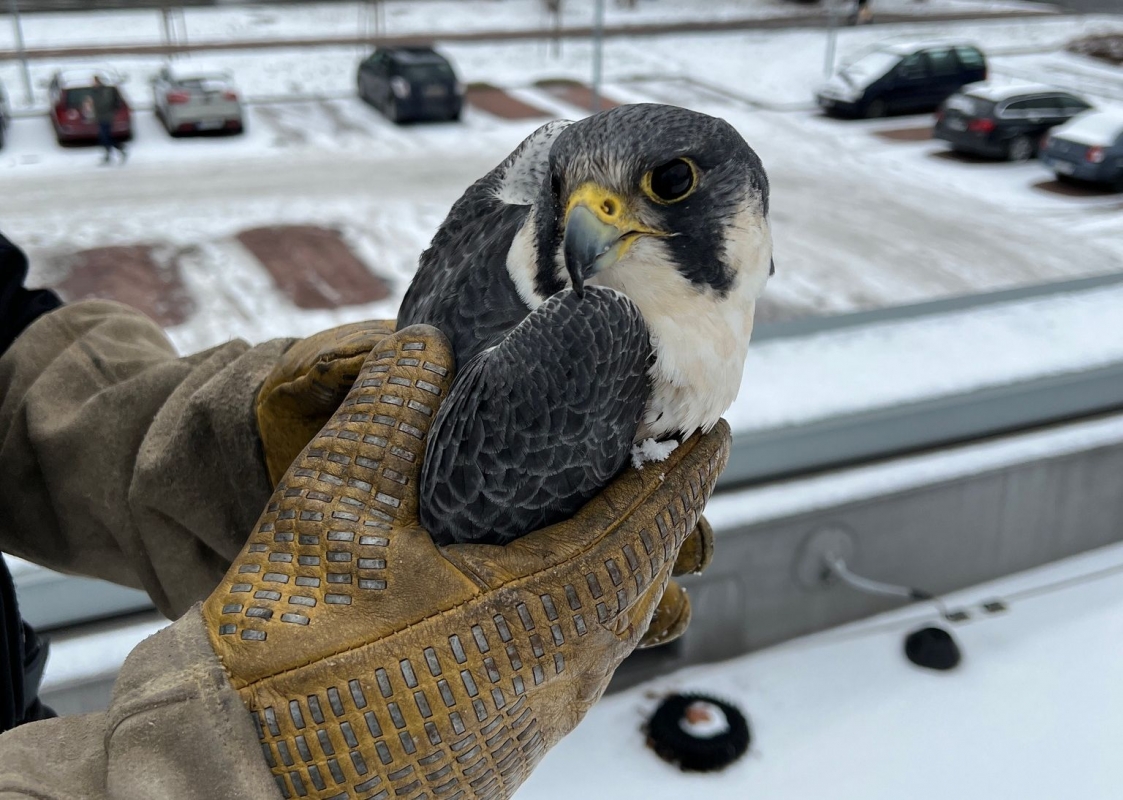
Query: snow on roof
x,y
906,48
189,73
80,77
787,498
924,357
417,55
1032,711
997,92
1092,128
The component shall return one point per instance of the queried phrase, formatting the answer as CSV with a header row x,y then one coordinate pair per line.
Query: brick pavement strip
x,y
818,20
576,94
142,276
313,266
920,134
498,103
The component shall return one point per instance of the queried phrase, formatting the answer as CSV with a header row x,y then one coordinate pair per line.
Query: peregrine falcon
x,y
598,288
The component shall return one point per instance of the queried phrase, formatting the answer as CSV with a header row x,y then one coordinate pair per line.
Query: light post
x,y
832,37
22,52
598,52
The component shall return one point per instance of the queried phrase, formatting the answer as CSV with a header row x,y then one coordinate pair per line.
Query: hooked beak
x,y
599,229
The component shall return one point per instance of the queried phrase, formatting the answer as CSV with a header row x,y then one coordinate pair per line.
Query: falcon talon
x,y
598,288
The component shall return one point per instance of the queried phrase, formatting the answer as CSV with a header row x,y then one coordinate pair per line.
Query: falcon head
x,y
647,199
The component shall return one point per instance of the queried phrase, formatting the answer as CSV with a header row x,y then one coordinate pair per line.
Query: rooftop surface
x,y
1034,711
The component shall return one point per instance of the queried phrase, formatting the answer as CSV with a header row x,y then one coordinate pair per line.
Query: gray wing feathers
x,y
535,426
462,285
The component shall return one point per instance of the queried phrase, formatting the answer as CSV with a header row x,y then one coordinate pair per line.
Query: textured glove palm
x,y
378,665
307,385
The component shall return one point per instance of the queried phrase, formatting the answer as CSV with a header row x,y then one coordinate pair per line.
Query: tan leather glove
x,y
377,665
307,385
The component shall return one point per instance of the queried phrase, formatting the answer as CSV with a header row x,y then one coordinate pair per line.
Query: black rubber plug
x,y
697,733
932,648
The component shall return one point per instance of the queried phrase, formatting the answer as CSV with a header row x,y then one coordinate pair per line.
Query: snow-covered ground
x,y
860,221
776,68
1035,710
426,17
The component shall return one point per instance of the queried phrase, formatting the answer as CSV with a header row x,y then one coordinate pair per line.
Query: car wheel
x,y
1019,149
393,112
876,109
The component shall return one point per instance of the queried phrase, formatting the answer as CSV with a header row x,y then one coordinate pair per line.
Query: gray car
x,y
1087,148
197,102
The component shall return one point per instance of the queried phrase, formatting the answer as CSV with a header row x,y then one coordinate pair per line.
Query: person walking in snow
x,y
105,100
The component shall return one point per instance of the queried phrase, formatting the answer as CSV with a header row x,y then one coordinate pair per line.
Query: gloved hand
x,y
378,665
306,387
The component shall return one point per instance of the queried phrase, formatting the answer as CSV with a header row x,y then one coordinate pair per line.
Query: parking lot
x,y
866,214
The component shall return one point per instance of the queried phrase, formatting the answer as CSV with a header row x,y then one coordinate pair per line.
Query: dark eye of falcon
x,y
671,182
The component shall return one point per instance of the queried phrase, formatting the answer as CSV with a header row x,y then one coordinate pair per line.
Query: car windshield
x,y
869,68
432,71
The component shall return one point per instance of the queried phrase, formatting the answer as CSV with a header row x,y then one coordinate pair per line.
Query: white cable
x,y
837,567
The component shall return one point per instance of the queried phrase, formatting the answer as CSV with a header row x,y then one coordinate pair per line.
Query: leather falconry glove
x,y
306,387
378,665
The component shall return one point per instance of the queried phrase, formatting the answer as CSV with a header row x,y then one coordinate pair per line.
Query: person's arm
x,y
122,461
344,654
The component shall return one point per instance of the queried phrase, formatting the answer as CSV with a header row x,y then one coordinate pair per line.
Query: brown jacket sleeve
x,y
122,461
175,728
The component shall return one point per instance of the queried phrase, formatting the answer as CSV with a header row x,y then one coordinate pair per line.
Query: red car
x,y
69,91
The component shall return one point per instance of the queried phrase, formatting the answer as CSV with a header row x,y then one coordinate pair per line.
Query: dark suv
x,y
901,78
411,83
1004,121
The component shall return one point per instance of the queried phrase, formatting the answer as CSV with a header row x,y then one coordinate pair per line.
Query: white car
x,y
197,102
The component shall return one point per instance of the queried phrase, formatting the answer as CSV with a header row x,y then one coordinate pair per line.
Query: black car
x,y
1004,121
411,83
902,78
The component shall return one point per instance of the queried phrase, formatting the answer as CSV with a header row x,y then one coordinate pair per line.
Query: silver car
x,y
197,102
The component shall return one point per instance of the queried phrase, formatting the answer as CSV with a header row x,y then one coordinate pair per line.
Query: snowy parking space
x,y
866,214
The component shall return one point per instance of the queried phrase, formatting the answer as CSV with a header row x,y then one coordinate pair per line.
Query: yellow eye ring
x,y
671,182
